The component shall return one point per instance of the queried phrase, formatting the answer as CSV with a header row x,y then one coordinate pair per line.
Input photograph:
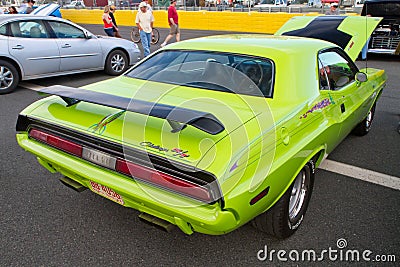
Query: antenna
x,y
366,35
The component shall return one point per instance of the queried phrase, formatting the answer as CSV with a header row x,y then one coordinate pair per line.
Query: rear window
x,y
240,74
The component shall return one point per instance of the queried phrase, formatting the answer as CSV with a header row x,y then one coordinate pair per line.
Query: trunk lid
x,y
150,133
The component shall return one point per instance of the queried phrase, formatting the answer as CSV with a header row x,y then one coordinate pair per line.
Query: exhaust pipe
x,y
156,222
72,184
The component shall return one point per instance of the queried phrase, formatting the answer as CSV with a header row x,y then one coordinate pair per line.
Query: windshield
x,y
240,74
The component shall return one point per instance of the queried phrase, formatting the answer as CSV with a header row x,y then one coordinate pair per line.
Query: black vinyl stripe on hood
x,y
324,28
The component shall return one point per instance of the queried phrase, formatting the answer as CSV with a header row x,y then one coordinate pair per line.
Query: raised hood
x,y
149,116
350,33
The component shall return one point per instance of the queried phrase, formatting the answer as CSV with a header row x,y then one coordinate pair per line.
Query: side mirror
x,y
88,35
361,77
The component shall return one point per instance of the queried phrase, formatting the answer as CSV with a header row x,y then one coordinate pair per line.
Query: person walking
x,y
12,10
149,8
115,28
144,21
108,24
173,24
29,9
333,10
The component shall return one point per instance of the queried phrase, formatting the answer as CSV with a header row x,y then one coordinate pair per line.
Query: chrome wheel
x,y
118,63
6,78
298,195
9,77
368,120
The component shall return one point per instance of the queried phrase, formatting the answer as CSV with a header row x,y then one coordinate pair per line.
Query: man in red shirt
x,y
173,24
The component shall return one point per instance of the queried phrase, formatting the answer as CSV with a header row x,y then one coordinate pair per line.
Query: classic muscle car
x,y
211,133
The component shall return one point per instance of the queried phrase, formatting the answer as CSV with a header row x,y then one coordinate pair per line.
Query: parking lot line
x,y
30,86
361,174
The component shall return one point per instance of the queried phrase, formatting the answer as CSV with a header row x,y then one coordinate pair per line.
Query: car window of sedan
x,y
3,30
28,29
64,30
335,71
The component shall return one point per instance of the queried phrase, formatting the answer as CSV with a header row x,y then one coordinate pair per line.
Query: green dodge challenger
x,y
211,133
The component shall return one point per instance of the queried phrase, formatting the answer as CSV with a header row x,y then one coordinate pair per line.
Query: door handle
x,y
18,47
66,46
342,108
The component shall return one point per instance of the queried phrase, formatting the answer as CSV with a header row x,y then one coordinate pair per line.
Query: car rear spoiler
x,y
177,117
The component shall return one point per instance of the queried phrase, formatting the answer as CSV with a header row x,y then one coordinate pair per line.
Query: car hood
x,y
350,33
159,129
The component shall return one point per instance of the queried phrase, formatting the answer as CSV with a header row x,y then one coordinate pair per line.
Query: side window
x,y
28,29
64,30
3,30
335,71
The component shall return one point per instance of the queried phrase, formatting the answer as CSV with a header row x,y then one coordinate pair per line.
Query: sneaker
x,y
163,44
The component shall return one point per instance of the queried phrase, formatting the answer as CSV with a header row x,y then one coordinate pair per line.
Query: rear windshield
x,y
240,74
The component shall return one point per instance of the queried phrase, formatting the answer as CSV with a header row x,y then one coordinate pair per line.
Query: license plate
x,y
106,192
99,158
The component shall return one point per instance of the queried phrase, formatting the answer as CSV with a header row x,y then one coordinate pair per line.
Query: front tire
x,y
9,77
285,217
116,63
365,126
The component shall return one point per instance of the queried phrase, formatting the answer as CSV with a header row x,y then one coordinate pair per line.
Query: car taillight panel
x,y
57,142
164,180
147,174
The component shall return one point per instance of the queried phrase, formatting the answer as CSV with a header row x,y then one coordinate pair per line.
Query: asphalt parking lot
x,y
43,223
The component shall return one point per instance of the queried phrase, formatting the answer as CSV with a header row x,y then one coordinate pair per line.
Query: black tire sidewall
x,y
293,225
15,74
108,66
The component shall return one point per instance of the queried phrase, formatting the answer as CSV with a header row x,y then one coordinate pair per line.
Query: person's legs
x,y
178,33
172,31
145,37
116,34
109,32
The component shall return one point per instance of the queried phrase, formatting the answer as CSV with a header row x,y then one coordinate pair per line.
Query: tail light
x,y
164,180
57,142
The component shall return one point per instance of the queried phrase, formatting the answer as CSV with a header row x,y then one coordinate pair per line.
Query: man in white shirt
x,y
144,21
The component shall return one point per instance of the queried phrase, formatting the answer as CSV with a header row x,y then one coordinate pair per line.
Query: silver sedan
x,y
34,47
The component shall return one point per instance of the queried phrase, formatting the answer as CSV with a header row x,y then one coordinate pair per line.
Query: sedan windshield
x,y
240,74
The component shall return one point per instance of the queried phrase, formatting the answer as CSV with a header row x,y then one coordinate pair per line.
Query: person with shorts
x,y
115,27
173,24
108,24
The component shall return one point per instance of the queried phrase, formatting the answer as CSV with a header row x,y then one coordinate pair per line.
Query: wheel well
x,y
318,157
14,63
122,50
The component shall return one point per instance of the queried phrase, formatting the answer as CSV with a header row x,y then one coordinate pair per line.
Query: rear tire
x,y
365,126
285,217
9,77
116,63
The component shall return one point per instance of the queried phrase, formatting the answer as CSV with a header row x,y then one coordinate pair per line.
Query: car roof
x,y
255,44
8,17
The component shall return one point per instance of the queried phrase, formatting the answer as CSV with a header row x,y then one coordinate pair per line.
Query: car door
x,y
76,50
351,99
31,45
